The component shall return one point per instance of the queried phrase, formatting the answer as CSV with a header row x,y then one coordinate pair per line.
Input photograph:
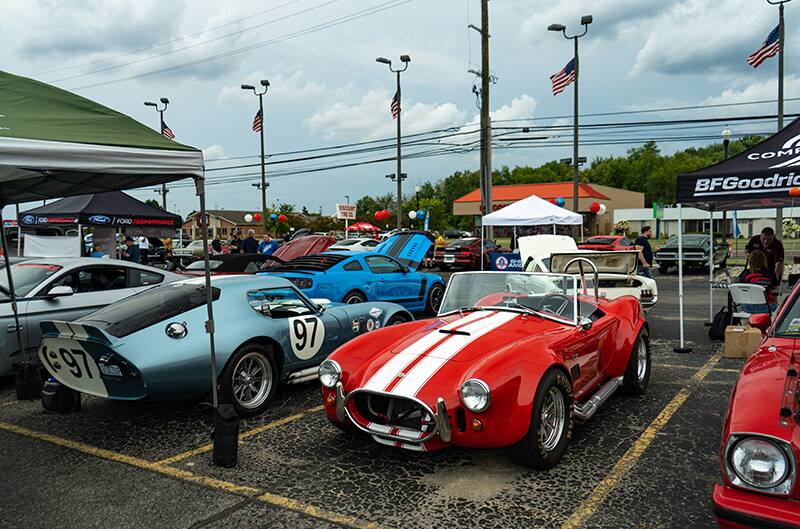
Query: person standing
x,y
235,243
267,246
131,252
773,250
250,244
642,244
144,249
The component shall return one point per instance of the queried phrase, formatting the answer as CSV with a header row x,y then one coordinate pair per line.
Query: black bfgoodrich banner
x,y
759,177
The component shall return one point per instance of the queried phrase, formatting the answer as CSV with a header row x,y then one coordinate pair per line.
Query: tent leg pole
x,y
481,246
26,380
682,347
711,267
554,229
19,232
226,423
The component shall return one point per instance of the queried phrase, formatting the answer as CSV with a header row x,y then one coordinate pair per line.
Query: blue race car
x,y
154,345
388,273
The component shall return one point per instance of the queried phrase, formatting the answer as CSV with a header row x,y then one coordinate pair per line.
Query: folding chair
x,y
746,294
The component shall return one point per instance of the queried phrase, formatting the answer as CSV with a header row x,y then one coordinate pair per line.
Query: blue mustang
x,y
389,273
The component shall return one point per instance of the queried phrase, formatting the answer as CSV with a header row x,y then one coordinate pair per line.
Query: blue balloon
x,y
560,202
421,214
273,217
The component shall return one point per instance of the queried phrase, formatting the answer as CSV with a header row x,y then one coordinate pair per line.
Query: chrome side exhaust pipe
x,y
585,410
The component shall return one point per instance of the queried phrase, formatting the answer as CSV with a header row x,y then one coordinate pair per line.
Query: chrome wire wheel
x,y
252,380
641,362
552,419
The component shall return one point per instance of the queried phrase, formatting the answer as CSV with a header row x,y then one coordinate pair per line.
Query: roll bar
x,y
580,261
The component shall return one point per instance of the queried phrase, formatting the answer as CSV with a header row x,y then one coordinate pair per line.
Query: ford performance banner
x,y
758,177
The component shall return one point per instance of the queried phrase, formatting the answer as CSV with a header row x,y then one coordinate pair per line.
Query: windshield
x,y
347,242
150,307
213,264
462,242
689,240
27,276
600,240
546,294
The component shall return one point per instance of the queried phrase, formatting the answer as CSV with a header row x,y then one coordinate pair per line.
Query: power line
x,y
312,29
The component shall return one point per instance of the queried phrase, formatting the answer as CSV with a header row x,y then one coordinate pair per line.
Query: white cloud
x,y
292,86
213,152
369,117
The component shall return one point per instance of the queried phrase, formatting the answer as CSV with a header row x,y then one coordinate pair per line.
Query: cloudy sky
x,y
326,88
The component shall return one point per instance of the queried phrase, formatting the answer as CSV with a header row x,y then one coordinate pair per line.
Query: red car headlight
x,y
329,373
759,463
475,395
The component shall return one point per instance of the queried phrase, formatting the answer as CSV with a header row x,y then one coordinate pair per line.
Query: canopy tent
x,y
54,144
760,177
113,208
362,226
531,211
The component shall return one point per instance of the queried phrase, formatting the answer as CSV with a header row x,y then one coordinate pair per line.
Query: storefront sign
x,y
346,211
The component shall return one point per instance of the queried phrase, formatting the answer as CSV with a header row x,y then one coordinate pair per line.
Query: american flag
x,y
769,48
563,78
395,106
166,131
257,121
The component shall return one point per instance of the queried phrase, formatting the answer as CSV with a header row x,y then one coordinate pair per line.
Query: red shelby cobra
x,y
761,436
512,359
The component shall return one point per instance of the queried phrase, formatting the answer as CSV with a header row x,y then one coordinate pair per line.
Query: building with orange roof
x,y
612,197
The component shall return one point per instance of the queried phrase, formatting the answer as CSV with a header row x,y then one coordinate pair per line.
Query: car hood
x,y
408,247
437,357
760,394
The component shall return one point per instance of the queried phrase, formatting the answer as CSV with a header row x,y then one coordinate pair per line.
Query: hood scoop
x,y
451,331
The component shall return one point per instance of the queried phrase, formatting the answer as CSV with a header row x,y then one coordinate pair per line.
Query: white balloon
x,y
248,218
412,215
602,209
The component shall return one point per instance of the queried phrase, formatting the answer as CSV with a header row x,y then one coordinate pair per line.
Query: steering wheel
x,y
554,304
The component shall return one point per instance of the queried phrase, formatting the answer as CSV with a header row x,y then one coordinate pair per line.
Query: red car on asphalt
x,y
761,436
464,253
607,243
510,361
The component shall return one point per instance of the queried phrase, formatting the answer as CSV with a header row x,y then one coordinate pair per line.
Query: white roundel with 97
x,y
306,334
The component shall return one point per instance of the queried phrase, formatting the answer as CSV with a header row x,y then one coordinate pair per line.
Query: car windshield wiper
x,y
517,305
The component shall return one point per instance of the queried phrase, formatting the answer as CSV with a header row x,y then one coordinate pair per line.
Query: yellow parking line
x,y
213,483
679,366
626,463
244,435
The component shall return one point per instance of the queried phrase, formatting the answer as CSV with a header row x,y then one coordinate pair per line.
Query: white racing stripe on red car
x,y
413,381
384,376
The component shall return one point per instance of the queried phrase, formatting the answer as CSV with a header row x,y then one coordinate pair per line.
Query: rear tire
x,y
250,379
354,296
550,429
434,301
637,374
396,319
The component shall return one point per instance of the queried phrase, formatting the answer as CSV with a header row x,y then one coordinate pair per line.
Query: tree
x,y
154,203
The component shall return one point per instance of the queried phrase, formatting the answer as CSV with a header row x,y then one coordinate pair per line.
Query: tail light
x,y
301,282
464,253
646,293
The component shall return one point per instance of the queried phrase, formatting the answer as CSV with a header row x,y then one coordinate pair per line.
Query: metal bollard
x,y
226,436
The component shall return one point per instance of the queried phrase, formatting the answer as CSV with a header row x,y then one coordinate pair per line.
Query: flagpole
x,y
161,125
781,34
263,186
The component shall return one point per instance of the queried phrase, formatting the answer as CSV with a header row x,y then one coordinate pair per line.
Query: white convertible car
x,y
617,270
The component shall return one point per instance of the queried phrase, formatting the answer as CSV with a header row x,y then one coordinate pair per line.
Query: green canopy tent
x,y
54,143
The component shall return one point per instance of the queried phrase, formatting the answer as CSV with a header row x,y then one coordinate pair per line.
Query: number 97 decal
x,y
306,334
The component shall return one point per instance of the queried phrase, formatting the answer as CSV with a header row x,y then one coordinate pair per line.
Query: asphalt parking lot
x,y
644,462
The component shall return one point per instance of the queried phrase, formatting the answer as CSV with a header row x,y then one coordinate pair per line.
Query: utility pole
x,y
258,126
486,123
161,126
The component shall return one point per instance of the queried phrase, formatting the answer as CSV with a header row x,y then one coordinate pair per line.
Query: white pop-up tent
x,y
531,211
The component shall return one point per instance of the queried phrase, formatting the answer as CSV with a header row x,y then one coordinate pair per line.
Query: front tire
x,y
637,373
551,424
250,379
434,301
396,319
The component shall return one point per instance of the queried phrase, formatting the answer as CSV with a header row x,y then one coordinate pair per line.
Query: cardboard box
x,y
740,342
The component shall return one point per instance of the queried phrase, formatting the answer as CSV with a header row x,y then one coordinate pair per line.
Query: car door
x,y
591,349
93,287
391,282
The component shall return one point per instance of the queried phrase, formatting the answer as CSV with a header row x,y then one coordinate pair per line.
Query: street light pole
x,y
585,21
265,84
160,111
405,59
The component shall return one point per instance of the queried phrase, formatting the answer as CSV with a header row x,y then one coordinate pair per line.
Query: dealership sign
x,y
346,211
759,177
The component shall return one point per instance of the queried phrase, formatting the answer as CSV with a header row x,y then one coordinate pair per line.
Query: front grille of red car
x,y
379,412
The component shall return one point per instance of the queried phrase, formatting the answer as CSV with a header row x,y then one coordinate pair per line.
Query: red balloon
x,y
552,201
378,215
281,218
257,217
386,214
594,207
794,191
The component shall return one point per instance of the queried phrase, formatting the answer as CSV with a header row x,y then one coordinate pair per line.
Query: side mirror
x,y
761,321
59,291
584,324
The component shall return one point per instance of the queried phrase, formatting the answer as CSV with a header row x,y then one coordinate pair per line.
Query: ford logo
x,y
28,219
99,219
